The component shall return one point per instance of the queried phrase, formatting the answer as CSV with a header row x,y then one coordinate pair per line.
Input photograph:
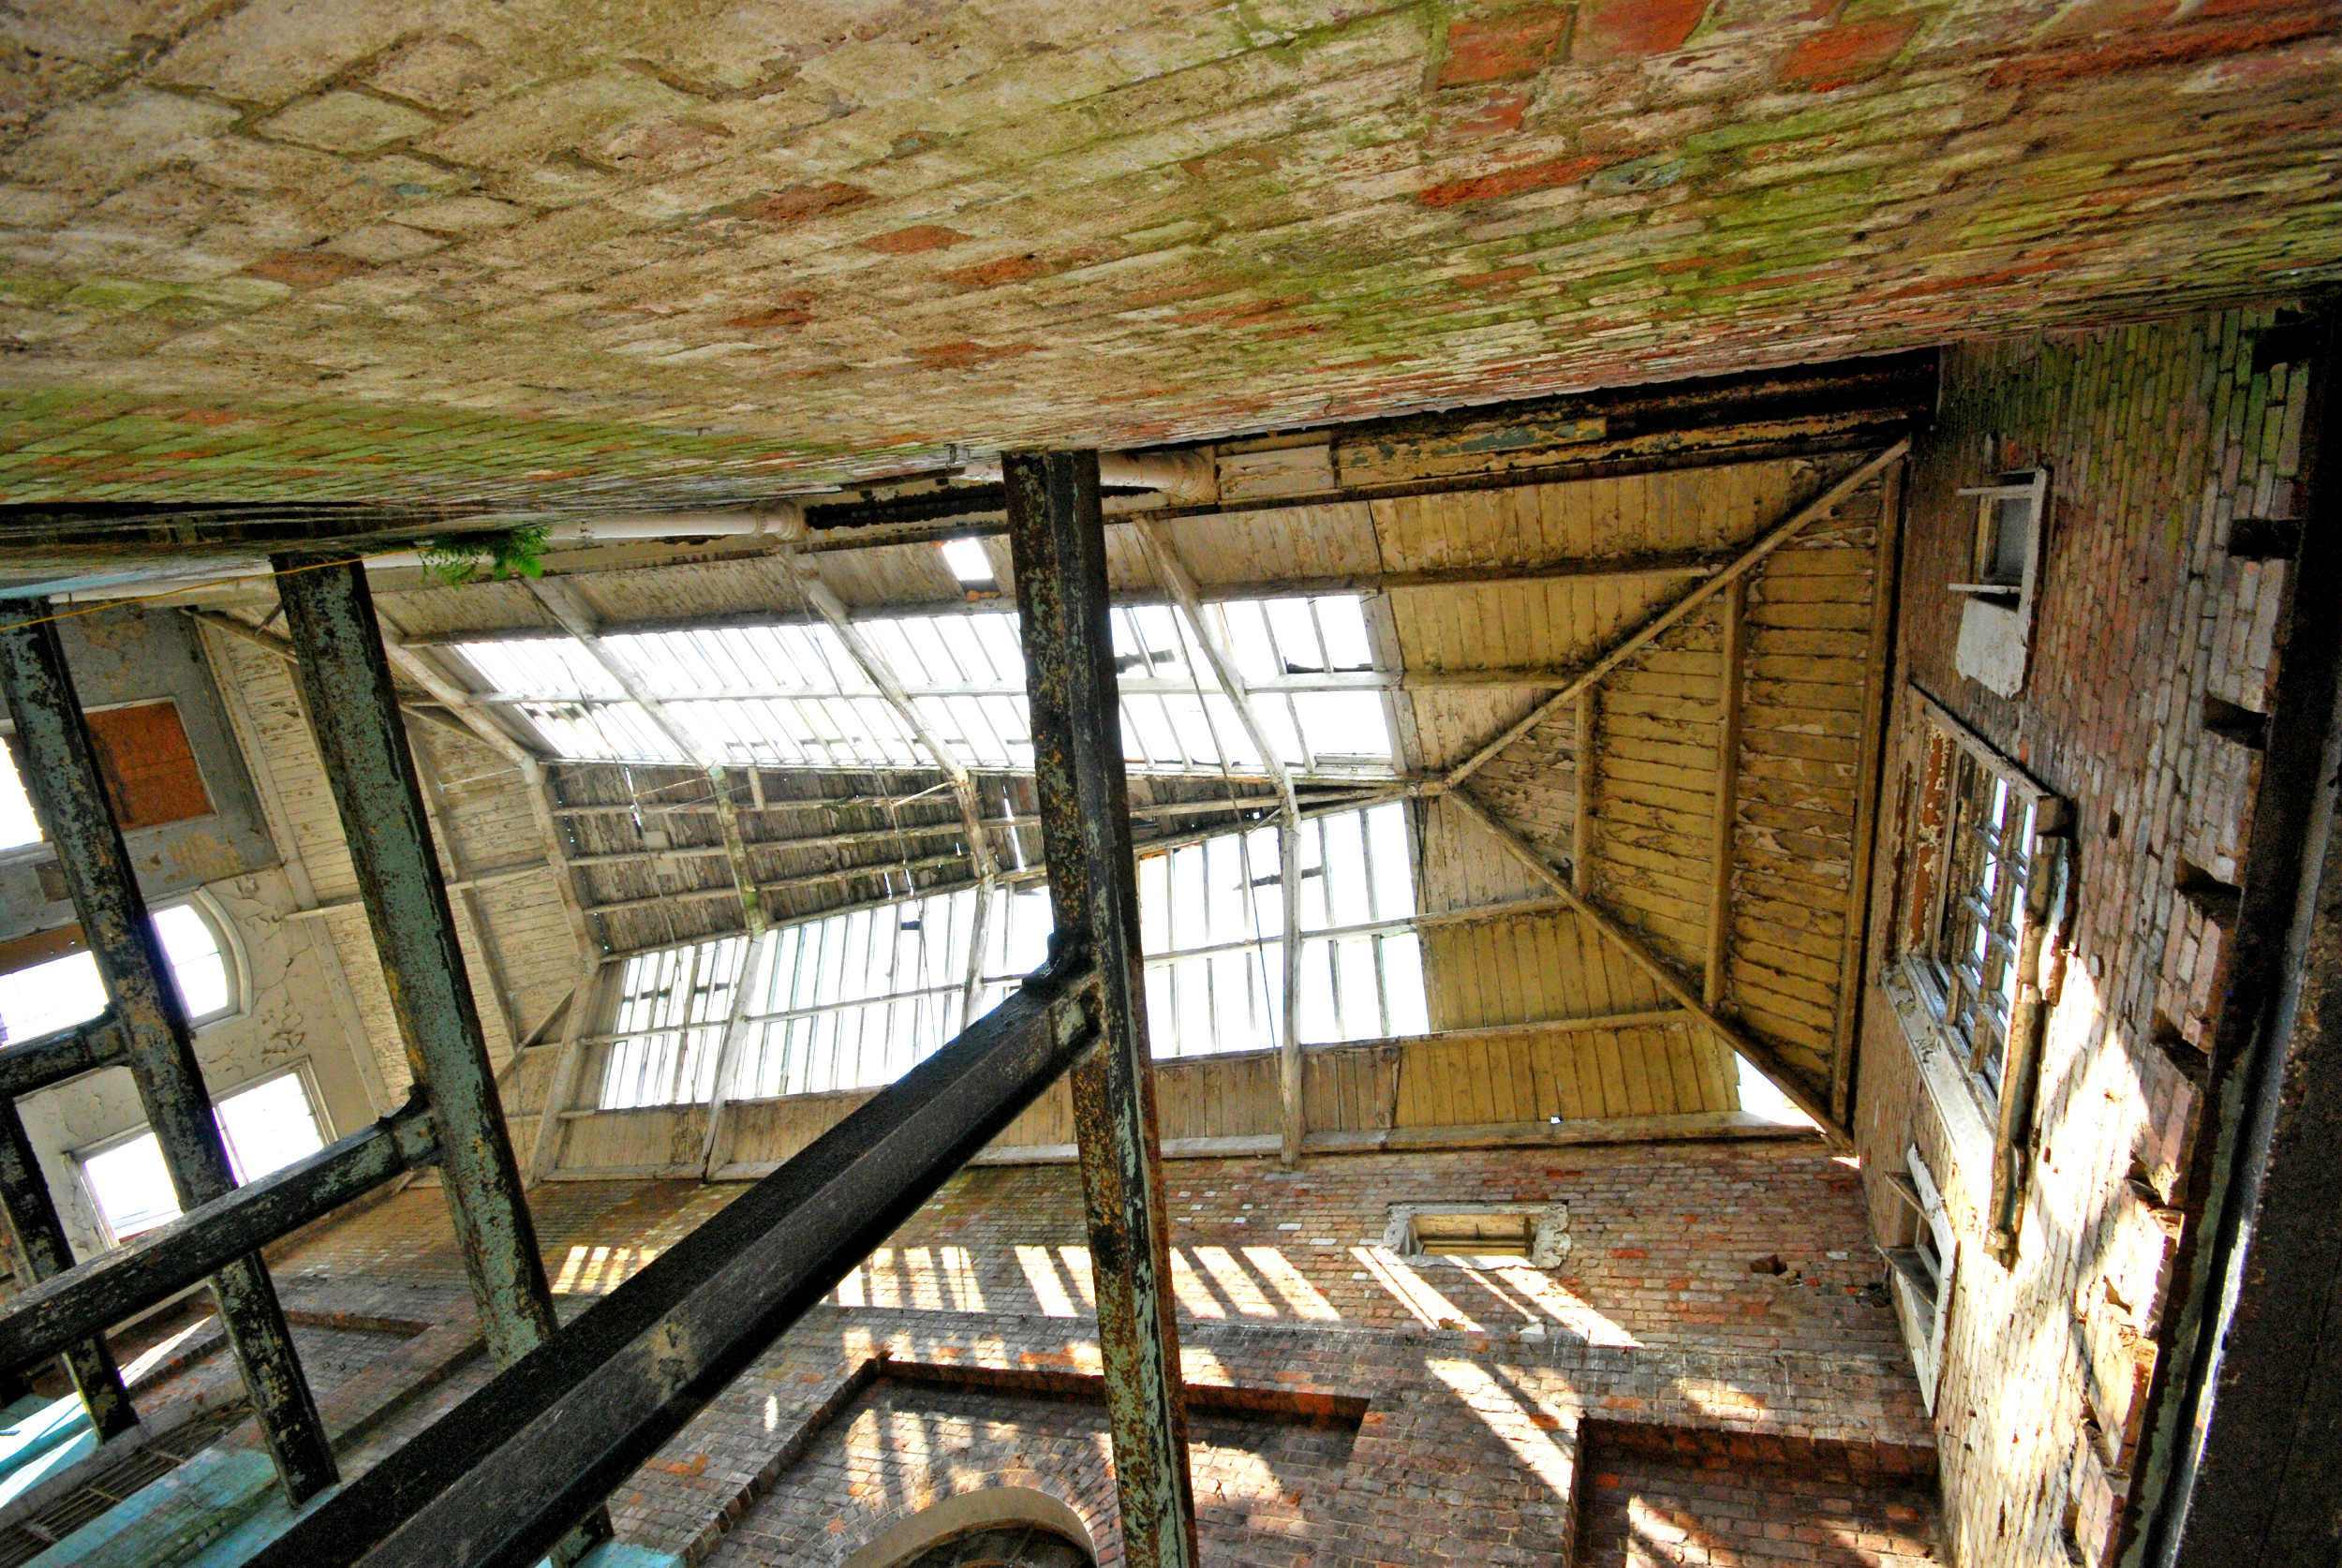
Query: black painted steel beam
x,y
1058,537
1844,405
41,1240
498,1479
52,1058
353,712
61,776
85,1300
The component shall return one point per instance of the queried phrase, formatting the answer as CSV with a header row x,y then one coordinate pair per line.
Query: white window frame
x,y
233,956
1925,1316
300,1072
302,1069
80,1159
1994,648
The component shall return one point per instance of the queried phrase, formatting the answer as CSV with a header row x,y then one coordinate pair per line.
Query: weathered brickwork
x,y
899,1448
1653,1499
2159,439
680,252
1418,1410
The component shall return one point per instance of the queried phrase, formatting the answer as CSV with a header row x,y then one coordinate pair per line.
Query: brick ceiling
x,y
551,253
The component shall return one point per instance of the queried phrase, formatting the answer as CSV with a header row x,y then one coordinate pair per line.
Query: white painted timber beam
x,y
825,603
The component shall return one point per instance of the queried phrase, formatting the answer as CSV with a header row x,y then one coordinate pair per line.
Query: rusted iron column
x,y
61,774
353,710
1058,539
41,1240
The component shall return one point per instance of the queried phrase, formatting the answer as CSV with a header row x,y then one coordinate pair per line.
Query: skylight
x,y
857,998
968,561
793,696
18,825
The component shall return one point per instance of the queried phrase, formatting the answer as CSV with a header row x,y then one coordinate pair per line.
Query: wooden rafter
x,y
1650,630
1735,615
1207,624
1757,1053
825,603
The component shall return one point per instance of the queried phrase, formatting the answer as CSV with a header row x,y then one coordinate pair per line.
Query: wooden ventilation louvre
x,y
1474,1236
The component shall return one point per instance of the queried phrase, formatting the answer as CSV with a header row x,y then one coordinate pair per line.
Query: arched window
x,y
43,998
999,1527
1002,1546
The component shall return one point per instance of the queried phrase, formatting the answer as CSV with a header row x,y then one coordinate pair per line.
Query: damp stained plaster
x,y
539,256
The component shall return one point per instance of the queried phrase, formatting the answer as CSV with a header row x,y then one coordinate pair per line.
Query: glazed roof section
x,y
795,696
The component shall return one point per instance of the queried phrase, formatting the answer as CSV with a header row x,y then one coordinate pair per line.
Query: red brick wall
x,y
2156,435
1649,1498
1471,1384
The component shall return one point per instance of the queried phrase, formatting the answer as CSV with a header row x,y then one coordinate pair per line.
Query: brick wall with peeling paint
x,y
2158,437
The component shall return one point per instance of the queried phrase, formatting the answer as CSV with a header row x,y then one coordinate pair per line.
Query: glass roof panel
x,y
795,696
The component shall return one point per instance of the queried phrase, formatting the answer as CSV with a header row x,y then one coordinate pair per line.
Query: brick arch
x,y
1078,1507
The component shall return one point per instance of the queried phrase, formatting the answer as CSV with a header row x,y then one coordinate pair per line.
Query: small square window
x,y
1474,1236
131,1187
969,562
2007,529
1996,620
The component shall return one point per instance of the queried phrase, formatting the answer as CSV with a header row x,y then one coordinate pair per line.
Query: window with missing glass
x,y
1977,830
792,695
1921,1248
1986,868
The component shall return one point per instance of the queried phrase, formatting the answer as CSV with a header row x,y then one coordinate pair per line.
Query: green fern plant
x,y
463,558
